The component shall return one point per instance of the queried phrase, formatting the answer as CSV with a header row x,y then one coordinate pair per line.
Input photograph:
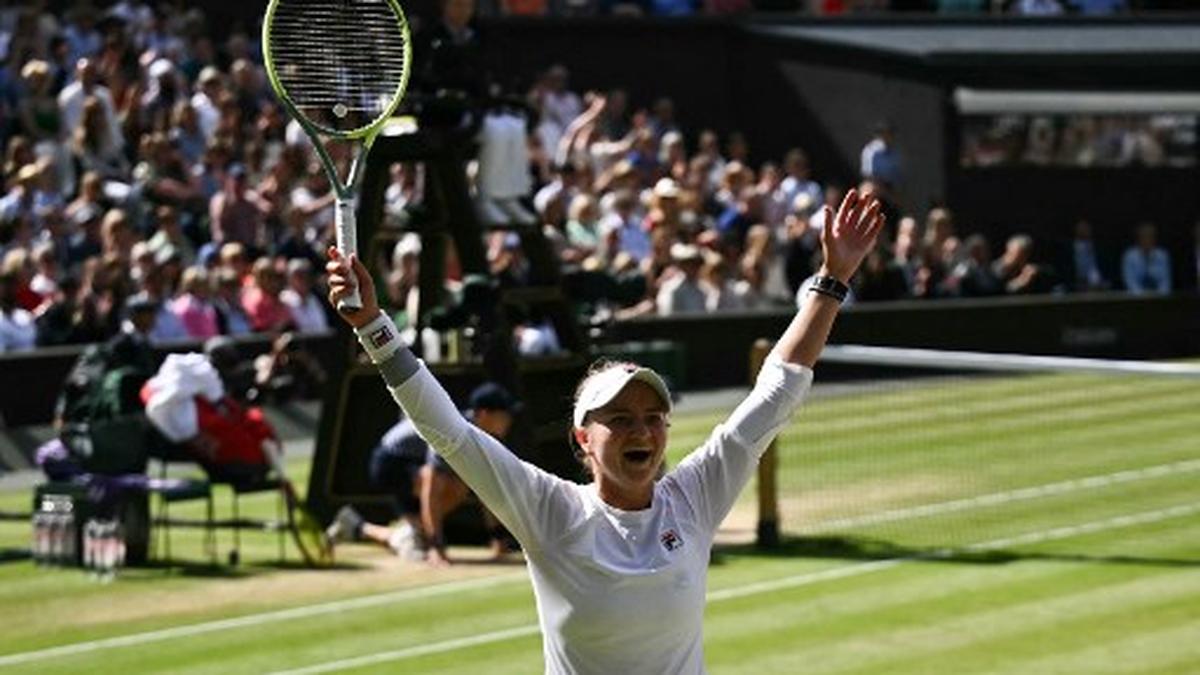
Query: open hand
x,y
346,274
850,234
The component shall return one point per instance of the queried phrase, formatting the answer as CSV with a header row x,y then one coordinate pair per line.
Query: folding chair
x,y
280,524
172,490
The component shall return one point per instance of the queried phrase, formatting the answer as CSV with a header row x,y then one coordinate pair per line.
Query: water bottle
x,y
107,568
70,538
55,526
101,554
119,529
40,540
467,345
431,345
450,345
90,547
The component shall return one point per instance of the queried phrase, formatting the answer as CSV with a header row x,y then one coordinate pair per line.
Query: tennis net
x,y
925,453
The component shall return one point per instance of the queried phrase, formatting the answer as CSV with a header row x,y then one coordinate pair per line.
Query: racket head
x,y
309,536
339,66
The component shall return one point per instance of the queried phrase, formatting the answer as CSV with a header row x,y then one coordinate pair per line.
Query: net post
x,y
768,504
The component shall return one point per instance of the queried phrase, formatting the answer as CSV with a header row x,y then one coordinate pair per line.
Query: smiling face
x,y
624,444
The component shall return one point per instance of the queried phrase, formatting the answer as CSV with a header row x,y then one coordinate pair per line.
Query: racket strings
x,y
341,62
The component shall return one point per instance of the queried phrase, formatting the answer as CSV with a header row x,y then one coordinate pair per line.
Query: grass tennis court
x,y
1032,524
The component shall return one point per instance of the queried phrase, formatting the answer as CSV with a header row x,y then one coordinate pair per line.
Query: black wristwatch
x,y
831,286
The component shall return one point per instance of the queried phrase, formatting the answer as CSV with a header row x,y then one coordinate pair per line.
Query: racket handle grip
x,y
345,227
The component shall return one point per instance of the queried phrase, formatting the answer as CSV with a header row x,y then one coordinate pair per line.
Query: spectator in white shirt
x,y
87,84
622,228
557,104
17,329
682,293
204,101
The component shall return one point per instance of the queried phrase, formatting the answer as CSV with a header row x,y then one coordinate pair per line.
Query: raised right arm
x,y
531,503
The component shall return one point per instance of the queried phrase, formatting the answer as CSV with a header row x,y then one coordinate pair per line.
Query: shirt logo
x,y
381,337
670,540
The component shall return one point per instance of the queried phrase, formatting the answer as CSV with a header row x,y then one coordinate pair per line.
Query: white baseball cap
x,y
603,387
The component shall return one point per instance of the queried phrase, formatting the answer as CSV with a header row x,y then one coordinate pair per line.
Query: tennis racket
x,y
306,531
314,546
340,67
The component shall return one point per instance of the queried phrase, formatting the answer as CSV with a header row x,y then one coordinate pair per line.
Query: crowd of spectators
x,y
145,163
677,229
1163,140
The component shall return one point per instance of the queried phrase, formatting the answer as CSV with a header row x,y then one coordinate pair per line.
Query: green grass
x,y
918,593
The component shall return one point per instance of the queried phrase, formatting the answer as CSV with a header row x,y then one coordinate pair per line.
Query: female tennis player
x,y
619,565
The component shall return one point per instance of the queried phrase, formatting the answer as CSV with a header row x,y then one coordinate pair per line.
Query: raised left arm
x,y
845,240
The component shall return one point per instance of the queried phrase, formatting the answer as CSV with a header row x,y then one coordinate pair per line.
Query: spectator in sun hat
x,y
204,101
665,209
682,292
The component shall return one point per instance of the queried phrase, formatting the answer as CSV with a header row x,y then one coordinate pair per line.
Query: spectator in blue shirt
x,y
1146,266
1098,7
879,158
1085,260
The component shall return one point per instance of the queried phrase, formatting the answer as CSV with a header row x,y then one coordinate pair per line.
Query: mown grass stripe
x,y
997,420
904,409
414,652
304,611
1044,620
1000,498
836,573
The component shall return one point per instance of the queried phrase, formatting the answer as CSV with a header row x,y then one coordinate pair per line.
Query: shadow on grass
x,y
867,549
509,560
11,555
155,570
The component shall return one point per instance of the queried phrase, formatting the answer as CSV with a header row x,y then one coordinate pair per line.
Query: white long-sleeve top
x,y
617,591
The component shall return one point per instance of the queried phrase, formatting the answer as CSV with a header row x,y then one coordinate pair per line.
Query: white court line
x,y
997,498
396,596
259,619
413,652
857,569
